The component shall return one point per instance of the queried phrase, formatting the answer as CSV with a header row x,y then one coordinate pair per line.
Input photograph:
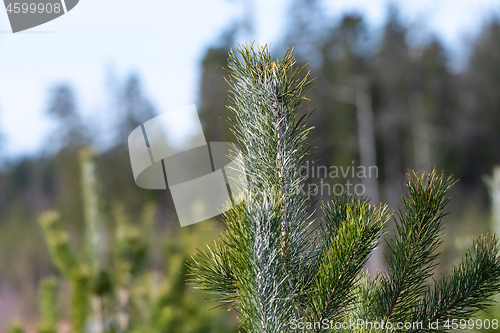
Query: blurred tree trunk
x,y
389,131
420,127
360,97
366,136
391,75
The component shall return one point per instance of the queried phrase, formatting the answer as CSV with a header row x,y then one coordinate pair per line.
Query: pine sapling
x,y
285,272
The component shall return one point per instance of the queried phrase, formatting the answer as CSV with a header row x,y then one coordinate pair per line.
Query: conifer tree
x,y
284,272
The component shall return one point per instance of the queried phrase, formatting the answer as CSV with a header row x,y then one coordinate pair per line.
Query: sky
x,y
164,41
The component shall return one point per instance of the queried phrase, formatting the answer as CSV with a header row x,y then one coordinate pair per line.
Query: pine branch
x,y
264,240
411,252
219,268
58,243
79,281
265,98
48,305
468,289
365,293
94,229
277,101
351,244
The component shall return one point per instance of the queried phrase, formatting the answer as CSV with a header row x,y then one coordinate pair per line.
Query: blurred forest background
x,y
388,98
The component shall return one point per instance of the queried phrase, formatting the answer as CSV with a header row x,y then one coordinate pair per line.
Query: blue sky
x,y
164,42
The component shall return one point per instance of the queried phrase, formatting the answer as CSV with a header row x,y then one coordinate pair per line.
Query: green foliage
x,y
113,288
76,272
412,248
48,305
275,267
15,328
347,244
493,185
469,288
79,281
266,234
58,243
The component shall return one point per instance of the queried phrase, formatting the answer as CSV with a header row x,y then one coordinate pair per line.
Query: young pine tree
x,y
284,272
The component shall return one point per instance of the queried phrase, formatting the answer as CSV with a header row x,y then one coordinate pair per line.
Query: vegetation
x,y
284,275
424,112
112,287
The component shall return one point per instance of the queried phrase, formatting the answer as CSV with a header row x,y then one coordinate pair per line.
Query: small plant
x,y
284,272
112,287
